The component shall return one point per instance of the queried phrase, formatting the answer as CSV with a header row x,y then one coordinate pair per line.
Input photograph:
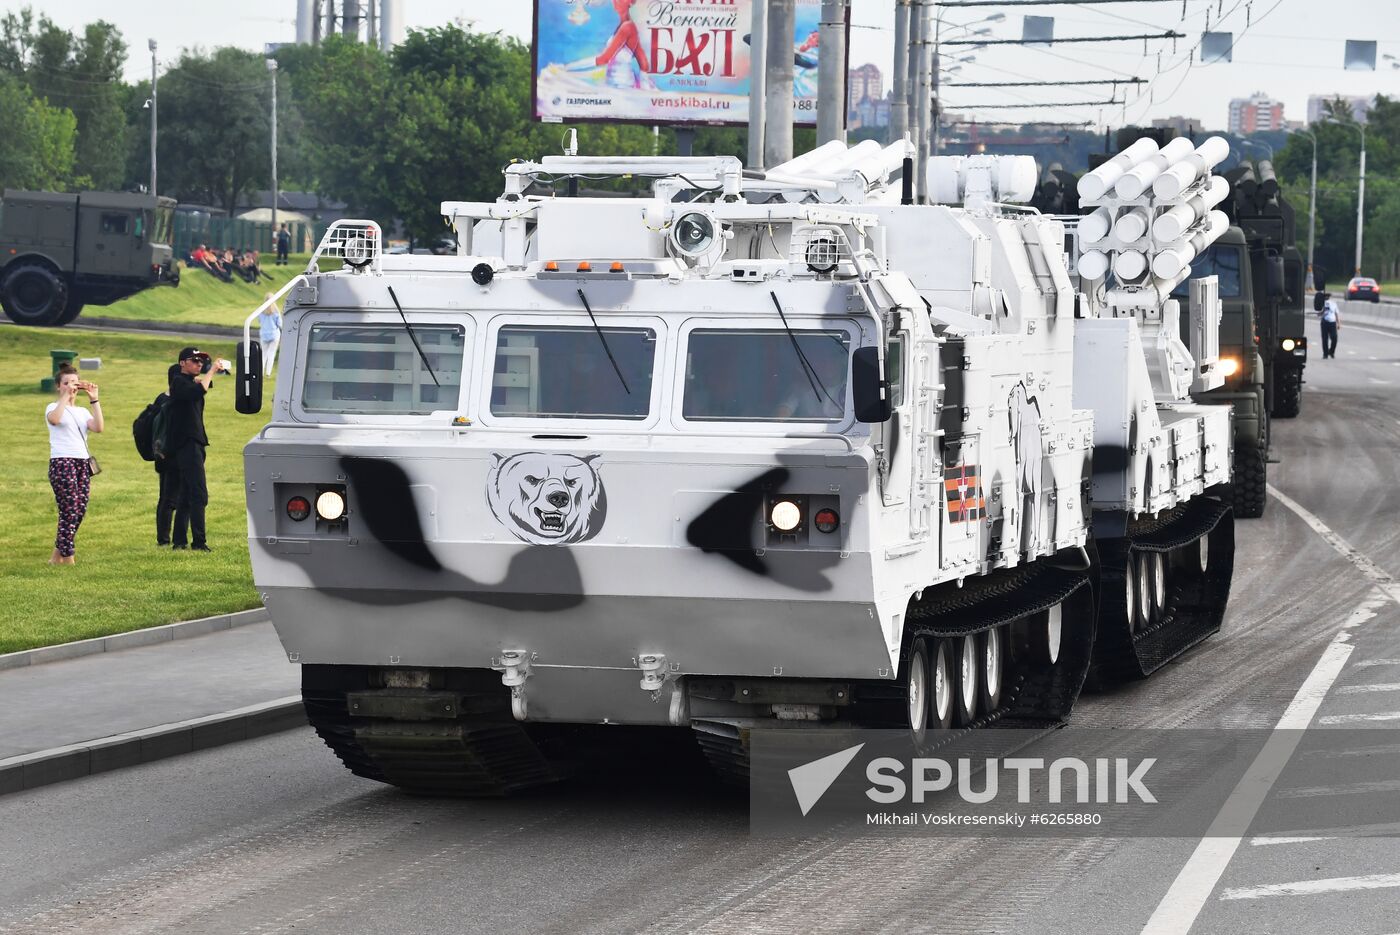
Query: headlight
x,y
1230,366
330,505
785,516
1289,344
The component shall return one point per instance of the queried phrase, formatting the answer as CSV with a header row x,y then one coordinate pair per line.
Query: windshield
x,y
165,219
375,369
1218,260
758,376
562,372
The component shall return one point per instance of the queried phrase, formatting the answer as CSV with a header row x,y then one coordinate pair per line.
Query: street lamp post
x,y
152,44
937,96
272,71
1312,211
1360,188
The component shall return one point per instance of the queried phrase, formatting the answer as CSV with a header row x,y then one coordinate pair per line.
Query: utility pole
x,y
936,99
1361,201
782,24
151,43
831,73
1311,285
272,71
899,93
923,98
758,58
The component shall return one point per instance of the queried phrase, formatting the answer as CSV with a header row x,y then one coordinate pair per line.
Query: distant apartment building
x,y
1359,104
1255,113
866,103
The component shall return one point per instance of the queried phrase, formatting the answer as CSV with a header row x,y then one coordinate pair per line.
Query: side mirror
x,y
1319,279
247,390
1273,273
868,386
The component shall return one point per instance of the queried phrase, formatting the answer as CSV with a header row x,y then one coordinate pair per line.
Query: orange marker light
x,y
585,267
551,267
616,266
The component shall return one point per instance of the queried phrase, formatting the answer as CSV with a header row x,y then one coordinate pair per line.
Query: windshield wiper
x,y
604,341
818,389
414,338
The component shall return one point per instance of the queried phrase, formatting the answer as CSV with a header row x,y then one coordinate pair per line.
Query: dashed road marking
x,y
1360,718
1279,839
1187,895
1355,788
1369,663
1344,548
1365,689
1374,881
1379,382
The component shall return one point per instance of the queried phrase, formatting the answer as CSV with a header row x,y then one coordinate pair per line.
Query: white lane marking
x,y
1261,841
1360,718
1363,689
1384,334
1379,382
1356,788
1187,896
1374,881
1344,548
1368,663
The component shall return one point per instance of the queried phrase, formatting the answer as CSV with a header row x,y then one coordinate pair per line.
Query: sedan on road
x,y
1363,288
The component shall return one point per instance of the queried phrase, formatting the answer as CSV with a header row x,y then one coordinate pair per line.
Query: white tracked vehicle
x,y
757,450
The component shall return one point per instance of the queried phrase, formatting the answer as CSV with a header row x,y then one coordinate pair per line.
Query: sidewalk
x,y
84,715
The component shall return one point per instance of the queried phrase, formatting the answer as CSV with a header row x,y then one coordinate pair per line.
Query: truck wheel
x,y
1288,396
33,294
965,706
1251,480
71,311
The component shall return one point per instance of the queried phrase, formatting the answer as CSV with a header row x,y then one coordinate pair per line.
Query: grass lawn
x,y
201,299
121,581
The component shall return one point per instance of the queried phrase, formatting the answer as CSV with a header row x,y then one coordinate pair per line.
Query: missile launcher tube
x,y
1094,185
1180,176
1172,262
1139,178
1173,223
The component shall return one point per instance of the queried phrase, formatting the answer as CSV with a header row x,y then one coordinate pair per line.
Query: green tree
x,y
36,149
214,127
80,72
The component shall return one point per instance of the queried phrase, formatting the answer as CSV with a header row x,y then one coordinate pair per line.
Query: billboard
x,y
667,62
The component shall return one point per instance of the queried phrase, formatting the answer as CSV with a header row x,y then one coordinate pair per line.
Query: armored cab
x,y
779,452
59,252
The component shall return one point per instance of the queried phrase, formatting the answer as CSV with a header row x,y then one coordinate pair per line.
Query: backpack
x,y
149,429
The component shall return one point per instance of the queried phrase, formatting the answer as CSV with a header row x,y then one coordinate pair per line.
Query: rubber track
x,y
1250,482
1195,600
1030,700
480,751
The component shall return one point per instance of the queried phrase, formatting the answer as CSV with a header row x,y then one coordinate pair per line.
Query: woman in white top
x,y
69,472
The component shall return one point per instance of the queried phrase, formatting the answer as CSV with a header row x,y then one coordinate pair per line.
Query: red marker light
x,y
826,521
298,508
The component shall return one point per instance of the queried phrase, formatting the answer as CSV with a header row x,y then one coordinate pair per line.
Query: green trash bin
x,y
60,358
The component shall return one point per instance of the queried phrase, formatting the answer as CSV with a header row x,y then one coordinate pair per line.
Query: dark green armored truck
x,y
59,252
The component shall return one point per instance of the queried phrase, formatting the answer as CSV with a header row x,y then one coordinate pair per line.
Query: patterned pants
x,y
71,483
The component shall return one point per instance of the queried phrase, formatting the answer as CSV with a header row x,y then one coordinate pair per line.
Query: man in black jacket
x,y
169,475
186,441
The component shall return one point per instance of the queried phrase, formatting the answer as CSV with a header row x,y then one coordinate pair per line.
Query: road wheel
x,y
1288,395
1130,599
917,686
33,294
71,311
992,647
1250,483
1157,577
965,707
1045,636
1144,590
941,684
1203,545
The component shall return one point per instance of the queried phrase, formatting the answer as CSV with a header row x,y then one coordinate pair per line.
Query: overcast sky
x,y
1289,49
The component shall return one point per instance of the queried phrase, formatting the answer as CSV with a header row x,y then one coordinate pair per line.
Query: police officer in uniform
x,y
186,440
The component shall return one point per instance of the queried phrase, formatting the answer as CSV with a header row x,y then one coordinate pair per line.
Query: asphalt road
x,y
273,836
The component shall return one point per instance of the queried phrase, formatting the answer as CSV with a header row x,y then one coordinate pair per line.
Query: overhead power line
x,y
1032,104
1041,84
972,3
1169,34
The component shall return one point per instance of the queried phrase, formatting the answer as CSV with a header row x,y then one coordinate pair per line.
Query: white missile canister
x,y
1129,265
1095,227
1179,176
1093,264
1130,226
1174,222
1139,178
1094,185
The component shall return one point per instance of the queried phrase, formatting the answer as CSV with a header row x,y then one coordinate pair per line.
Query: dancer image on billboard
x,y
623,56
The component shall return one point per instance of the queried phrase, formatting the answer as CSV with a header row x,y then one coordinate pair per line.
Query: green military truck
x,y
1257,206
60,252
1242,362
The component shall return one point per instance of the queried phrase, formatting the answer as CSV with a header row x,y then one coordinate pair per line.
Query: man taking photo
x,y
186,441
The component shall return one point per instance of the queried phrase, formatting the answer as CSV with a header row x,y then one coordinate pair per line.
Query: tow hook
x,y
514,666
656,672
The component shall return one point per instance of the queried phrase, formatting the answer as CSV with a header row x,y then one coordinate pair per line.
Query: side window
x,y
114,223
140,225
894,370
377,370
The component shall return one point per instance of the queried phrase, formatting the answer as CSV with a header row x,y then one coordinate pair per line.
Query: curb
x,y
126,324
131,639
32,770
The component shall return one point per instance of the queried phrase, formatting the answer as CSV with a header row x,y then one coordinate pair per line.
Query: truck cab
x,y
60,252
